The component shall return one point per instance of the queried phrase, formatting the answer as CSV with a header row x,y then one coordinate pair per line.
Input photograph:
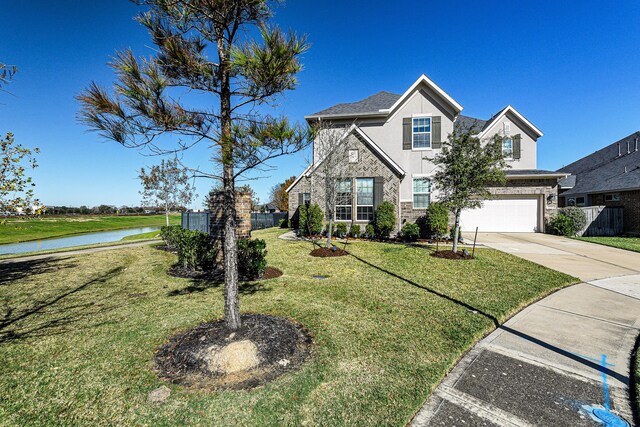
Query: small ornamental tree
x,y
385,219
226,60
166,185
466,168
279,195
437,220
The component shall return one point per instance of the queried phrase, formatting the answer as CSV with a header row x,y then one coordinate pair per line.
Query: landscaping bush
x,y
568,222
437,220
283,223
577,215
196,251
311,219
340,230
410,232
355,231
252,259
385,219
370,231
172,235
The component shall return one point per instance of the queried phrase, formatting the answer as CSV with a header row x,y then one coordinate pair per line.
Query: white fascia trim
x,y
378,150
509,108
426,80
298,179
543,176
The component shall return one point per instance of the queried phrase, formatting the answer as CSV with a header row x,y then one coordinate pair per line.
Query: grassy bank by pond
x,y
79,333
24,229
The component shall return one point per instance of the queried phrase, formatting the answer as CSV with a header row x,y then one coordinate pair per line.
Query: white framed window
x,y
507,148
421,193
612,197
364,199
575,201
421,133
306,198
343,200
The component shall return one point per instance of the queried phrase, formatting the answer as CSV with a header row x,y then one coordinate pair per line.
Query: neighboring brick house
x,y
392,142
608,177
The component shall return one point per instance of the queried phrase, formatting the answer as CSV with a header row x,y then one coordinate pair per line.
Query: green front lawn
x,y
79,333
24,229
628,243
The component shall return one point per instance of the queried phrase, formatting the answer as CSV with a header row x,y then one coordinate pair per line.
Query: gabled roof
x,y
534,173
367,141
383,103
615,167
500,114
370,105
427,81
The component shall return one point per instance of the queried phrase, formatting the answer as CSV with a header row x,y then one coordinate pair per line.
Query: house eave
x,y
314,117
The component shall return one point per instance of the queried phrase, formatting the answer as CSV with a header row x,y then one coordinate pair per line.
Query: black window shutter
x,y
300,199
378,191
516,147
406,133
436,132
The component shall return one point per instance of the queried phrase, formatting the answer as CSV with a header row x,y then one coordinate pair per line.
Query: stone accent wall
x,y
243,217
408,214
368,166
630,202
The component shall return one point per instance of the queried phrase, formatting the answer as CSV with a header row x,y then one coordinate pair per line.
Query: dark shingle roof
x,y
466,123
605,170
372,104
526,172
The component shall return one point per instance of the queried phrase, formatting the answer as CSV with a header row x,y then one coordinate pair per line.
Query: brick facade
x,y
367,166
243,217
545,189
629,201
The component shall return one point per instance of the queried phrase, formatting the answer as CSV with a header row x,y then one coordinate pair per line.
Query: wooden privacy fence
x,y
603,221
266,220
196,221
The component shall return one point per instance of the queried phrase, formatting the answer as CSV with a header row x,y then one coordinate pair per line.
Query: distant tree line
x,y
108,210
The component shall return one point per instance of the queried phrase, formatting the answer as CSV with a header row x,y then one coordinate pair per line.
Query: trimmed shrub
x,y
410,232
172,235
577,215
252,259
562,225
355,231
196,251
370,231
311,219
283,223
437,220
385,219
340,229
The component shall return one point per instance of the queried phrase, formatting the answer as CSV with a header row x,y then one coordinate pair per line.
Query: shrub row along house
x,y
391,142
608,177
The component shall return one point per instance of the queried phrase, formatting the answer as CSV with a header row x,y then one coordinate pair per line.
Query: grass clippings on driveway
x,y
628,243
78,334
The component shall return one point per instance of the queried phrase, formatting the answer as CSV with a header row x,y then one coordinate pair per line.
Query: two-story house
x,y
392,140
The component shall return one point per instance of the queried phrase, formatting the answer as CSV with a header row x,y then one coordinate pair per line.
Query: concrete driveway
x,y
562,361
587,261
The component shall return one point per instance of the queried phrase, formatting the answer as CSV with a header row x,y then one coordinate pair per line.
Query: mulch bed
x,y
325,252
218,275
447,254
283,346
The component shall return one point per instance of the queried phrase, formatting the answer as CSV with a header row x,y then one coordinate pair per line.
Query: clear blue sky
x,y
573,68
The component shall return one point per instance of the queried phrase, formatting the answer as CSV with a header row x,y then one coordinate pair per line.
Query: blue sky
x,y
573,68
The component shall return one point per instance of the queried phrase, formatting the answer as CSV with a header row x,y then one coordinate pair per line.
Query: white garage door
x,y
502,215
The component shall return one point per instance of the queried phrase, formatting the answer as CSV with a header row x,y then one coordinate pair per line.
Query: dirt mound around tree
x,y
210,356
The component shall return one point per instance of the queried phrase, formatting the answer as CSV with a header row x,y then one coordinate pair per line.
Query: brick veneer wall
x,y
243,217
630,202
368,166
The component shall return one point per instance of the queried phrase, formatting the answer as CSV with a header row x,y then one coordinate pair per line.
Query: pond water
x,y
67,242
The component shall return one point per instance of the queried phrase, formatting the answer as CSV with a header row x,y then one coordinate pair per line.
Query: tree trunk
x,y
329,232
456,231
230,246
166,212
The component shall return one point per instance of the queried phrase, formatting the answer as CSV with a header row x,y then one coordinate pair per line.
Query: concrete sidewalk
x,y
557,360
